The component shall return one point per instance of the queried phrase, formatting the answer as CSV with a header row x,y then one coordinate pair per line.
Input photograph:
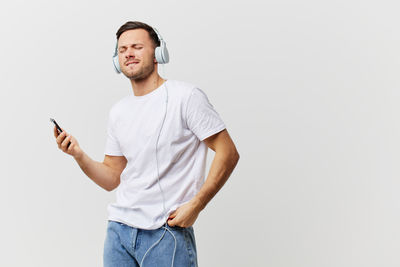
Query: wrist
x,y
197,204
78,155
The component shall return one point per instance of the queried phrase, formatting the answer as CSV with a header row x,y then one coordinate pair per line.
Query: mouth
x,y
131,63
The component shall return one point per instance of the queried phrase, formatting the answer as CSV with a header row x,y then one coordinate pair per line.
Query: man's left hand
x,y
185,215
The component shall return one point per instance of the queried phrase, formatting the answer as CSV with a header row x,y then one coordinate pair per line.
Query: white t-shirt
x,y
134,124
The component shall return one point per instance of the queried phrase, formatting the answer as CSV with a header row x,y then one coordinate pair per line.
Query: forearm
x,y
98,172
220,170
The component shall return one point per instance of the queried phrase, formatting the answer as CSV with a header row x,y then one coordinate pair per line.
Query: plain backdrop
x,y
309,91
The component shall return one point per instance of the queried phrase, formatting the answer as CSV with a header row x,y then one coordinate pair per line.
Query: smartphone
x,y
56,124
58,128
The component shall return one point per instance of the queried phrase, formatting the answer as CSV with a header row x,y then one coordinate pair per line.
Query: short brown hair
x,y
131,25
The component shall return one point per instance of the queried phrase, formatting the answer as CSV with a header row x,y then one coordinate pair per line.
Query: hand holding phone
x,y
61,138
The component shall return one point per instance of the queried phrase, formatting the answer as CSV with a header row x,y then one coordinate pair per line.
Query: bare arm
x,y
106,174
225,160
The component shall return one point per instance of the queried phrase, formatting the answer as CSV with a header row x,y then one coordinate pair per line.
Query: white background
x,y
309,91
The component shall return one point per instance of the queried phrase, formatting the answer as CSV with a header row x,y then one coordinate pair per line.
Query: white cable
x,y
162,192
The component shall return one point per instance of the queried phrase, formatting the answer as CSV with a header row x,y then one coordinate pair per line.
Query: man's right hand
x,y
63,139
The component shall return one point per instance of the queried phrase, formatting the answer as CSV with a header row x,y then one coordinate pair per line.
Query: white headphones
x,y
161,53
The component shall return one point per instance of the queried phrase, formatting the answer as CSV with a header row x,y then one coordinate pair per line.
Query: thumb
x,y
172,215
171,222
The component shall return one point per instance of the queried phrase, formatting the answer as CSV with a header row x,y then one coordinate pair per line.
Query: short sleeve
x,y
112,147
201,117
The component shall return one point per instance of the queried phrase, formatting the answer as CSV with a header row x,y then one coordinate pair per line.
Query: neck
x,y
145,86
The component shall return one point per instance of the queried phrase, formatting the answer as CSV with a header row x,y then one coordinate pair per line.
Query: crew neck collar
x,y
154,92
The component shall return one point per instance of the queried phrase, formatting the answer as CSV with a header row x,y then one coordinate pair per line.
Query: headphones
x,y
161,53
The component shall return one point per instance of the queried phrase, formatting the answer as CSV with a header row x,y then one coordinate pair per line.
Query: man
x,y
155,155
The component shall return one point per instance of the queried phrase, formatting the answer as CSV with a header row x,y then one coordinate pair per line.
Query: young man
x,y
155,155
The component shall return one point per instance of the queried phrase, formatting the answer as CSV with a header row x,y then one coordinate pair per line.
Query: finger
x,y
171,223
71,140
173,214
69,144
55,131
65,142
60,138
70,148
62,144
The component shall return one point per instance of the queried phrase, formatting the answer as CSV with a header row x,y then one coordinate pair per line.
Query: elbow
x,y
114,185
109,189
229,154
235,157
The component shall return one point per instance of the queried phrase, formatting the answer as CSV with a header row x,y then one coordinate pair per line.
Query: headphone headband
x,y
158,35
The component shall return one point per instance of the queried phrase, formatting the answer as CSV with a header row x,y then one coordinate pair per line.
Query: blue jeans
x,y
129,246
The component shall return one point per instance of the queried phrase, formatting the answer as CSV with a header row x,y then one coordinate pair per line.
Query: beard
x,y
139,74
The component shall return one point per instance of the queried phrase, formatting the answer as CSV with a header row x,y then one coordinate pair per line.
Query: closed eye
x,y
123,48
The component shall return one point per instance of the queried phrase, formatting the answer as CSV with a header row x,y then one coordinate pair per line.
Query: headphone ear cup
x,y
158,56
165,54
161,54
117,67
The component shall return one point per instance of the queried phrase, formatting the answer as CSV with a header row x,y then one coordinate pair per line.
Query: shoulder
x,y
182,88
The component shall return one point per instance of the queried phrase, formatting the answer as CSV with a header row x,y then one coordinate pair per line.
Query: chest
x,y
141,126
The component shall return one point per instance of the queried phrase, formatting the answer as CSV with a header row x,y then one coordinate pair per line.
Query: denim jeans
x,y
129,246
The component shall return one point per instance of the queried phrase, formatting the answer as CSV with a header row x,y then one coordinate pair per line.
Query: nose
x,y
127,56
129,52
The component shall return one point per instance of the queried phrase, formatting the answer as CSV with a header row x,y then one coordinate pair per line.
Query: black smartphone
x,y
58,128
56,124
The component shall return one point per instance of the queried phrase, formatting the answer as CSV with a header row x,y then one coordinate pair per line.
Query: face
x,y
136,54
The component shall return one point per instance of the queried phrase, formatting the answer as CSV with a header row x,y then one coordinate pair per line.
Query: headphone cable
x,y
162,192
